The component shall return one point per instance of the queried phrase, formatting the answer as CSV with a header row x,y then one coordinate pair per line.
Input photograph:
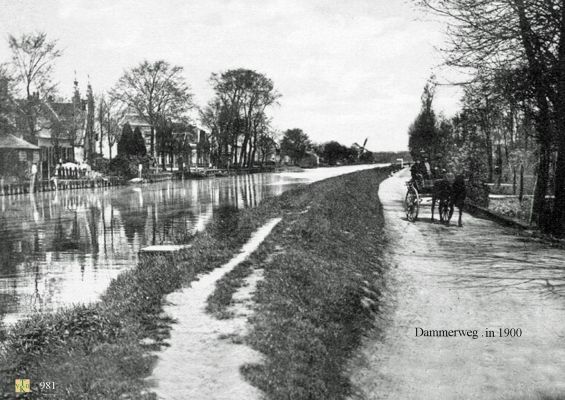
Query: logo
x,y
22,386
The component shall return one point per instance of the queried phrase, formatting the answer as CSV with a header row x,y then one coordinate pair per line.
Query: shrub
x,y
126,166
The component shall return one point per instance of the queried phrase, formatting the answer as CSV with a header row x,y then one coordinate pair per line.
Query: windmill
x,y
361,148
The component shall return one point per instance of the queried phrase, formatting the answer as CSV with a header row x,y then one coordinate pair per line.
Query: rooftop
x,y
8,141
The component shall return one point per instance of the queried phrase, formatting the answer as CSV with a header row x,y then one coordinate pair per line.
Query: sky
x,y
347,70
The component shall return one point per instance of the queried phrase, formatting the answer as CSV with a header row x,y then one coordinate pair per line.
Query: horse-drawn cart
x,y
421,191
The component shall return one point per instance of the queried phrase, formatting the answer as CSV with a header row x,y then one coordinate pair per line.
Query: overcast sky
x,y
347,69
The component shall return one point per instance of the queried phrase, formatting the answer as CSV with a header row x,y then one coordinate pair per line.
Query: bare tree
x,y
242,97
488,35
156,91
267,143
109,115
7,101
33,60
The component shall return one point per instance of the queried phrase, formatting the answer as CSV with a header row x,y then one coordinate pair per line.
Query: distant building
x,y
16,158
59,131
190,142
310,160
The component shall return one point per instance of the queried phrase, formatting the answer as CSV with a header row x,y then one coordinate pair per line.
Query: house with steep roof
x,y
189,143
60,131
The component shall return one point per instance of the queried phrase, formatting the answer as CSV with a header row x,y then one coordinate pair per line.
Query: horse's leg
x,y
445,202
433,206
460,216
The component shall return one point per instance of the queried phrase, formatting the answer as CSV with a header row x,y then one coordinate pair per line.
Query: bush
x,y
477,193
101,164
127,166
131,142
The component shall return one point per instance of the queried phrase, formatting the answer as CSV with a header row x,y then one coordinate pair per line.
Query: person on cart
x,y
417,171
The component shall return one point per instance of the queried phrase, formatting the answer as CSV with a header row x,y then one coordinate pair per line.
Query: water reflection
x,y
65,247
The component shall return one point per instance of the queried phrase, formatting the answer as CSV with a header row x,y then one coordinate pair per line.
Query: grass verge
x,y
102,350
322,279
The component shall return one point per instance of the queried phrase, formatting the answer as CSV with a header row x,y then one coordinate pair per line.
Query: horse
x,y
441,193
449,195
457,199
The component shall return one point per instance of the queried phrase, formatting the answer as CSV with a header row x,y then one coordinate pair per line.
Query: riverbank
x,y
102,350
322,277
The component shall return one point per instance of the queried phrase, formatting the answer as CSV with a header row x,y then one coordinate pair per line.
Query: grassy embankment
x,y
102,350
319,268
322,278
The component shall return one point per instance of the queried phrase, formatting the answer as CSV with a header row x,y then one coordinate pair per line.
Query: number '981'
x,y
47,385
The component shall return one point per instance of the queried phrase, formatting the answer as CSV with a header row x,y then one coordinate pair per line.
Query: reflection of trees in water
x,y
17,239
93,218
72,224
9,256
226,222
175,226
61,241
134,223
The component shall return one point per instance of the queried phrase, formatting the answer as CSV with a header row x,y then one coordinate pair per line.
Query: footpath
x,y
481,278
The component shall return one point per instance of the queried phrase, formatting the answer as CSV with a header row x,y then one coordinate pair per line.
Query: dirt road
x,y
480,277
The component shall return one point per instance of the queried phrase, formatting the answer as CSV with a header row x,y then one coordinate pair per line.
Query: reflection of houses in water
x,y
80,239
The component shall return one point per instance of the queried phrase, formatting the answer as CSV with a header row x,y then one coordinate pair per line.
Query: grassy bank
x,y
101,350
322,269
319,271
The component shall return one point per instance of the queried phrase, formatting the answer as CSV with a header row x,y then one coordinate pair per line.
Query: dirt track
x,y
478,277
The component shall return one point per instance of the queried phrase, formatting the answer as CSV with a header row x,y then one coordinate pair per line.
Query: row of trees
x,y
156,92
296,145
514,104
238,122
237,116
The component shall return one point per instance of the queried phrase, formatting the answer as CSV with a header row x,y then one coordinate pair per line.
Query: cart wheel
x,y
444,210
412,204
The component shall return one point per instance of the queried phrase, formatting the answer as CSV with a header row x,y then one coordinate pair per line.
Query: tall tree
x,y
89,134
488,35
424,137
7,101
126,145
138,143
156,91
267,144
109,115
33,60
295,144
238,112
101,119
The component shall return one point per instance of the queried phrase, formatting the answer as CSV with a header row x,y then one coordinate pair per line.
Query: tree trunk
x,y
559,202
253,150
539,203
521,191
490,161
153,153
101,132
514,180
542,119
243,156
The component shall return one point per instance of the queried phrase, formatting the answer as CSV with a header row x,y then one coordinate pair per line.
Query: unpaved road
x,y
478,277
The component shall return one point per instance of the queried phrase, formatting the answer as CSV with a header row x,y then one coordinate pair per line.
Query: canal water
x,y
62,248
